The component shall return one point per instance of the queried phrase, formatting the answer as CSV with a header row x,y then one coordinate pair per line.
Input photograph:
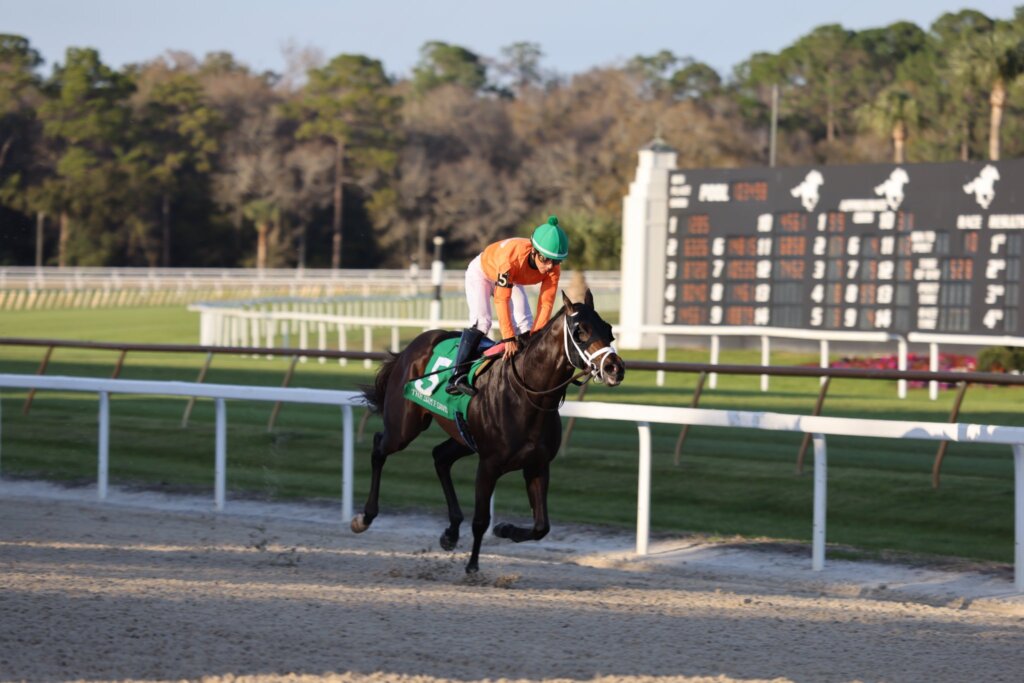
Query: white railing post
x,y
342,343
766,355
659,376
643,493
437,279
820,500
367,345
933,365
713,377
901,384
204,327
1018,517
823,358
220,467
103,467
346,464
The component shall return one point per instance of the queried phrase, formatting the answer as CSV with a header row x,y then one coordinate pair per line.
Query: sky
x,y
574,35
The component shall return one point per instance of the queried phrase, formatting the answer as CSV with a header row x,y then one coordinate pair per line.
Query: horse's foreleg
x,y
362,521
486,478
537,491
445,455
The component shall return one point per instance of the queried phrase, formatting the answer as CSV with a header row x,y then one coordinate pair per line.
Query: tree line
x,y
182,161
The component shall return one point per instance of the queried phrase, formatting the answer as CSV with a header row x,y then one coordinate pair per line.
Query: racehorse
x,y
513,420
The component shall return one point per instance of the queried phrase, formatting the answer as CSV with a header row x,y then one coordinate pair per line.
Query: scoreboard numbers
x,y
897,248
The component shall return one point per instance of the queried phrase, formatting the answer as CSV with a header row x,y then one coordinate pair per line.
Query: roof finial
x,y
658,144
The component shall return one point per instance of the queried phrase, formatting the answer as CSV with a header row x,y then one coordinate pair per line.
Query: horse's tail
x,y
374,393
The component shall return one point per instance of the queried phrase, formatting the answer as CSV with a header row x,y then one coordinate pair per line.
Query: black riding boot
x,y
459,382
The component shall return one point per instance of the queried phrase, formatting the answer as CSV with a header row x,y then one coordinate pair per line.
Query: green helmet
x,y
550,240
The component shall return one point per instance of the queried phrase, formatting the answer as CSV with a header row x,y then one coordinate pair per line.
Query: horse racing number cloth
x,y
428,391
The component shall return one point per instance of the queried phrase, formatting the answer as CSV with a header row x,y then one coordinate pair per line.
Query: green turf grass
x,y
729,481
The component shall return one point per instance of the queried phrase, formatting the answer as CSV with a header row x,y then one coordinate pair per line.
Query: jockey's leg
x,y
478,295
522,316
459,382
479,291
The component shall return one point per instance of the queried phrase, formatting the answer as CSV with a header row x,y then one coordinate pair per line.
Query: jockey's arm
x,y
546,298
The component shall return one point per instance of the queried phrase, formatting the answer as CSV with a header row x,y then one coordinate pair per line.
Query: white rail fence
x,y
323,324
28,288
765,335
933,341
220,393
23,288
641,415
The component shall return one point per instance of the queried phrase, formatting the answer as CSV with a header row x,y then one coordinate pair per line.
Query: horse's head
x,y
588,342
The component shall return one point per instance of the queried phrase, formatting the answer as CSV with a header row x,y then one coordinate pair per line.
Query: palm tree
x,y
263,213
893,112
992,59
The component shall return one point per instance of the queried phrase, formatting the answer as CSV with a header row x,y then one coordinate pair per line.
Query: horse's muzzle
x,y
613,370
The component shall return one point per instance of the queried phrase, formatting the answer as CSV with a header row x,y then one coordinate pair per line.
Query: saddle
x,y
427,391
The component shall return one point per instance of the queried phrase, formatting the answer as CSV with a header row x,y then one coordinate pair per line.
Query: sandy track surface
x,y
93,591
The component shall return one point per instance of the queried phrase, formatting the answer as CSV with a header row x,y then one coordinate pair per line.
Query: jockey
x,y
500,271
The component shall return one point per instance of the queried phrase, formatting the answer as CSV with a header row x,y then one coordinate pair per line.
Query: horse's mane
x,y
541,331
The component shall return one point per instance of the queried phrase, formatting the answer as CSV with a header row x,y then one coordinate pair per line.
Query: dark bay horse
x,y
513,419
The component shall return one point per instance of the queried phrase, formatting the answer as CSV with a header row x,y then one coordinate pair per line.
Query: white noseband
x,y
596,369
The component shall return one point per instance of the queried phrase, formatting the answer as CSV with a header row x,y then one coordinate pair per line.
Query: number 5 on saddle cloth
x,y
424,391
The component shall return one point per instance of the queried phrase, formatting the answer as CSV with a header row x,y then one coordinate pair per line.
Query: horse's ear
x,y
566,301
588,298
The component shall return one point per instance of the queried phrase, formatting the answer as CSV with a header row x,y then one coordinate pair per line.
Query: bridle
x,y
595,369
578,358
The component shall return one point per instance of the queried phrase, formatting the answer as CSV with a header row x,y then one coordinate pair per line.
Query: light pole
x,y
775,125
437,277
40,224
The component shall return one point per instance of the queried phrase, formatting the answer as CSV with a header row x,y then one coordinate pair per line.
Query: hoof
x,y
502,530
447,542
358,525
472,569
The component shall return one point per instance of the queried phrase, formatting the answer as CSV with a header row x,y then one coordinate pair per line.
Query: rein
x,y
591,368
528,390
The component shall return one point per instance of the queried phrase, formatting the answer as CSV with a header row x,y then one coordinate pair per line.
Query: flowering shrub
x,y
1001,359
953,362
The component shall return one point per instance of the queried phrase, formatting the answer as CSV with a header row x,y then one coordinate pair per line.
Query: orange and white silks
x,y
500,271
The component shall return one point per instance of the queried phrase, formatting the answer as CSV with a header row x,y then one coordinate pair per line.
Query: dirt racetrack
x,y
148,587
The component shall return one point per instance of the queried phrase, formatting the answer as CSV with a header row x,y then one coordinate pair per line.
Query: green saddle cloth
x,y
429,392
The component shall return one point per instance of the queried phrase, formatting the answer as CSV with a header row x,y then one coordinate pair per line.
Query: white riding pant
x,y
480,293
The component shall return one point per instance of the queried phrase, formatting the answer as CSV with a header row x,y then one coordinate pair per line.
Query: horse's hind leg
x,y
396,436
537,491
445,455
362,521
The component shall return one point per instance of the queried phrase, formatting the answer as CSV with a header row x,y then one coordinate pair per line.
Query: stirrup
x,y
460,385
